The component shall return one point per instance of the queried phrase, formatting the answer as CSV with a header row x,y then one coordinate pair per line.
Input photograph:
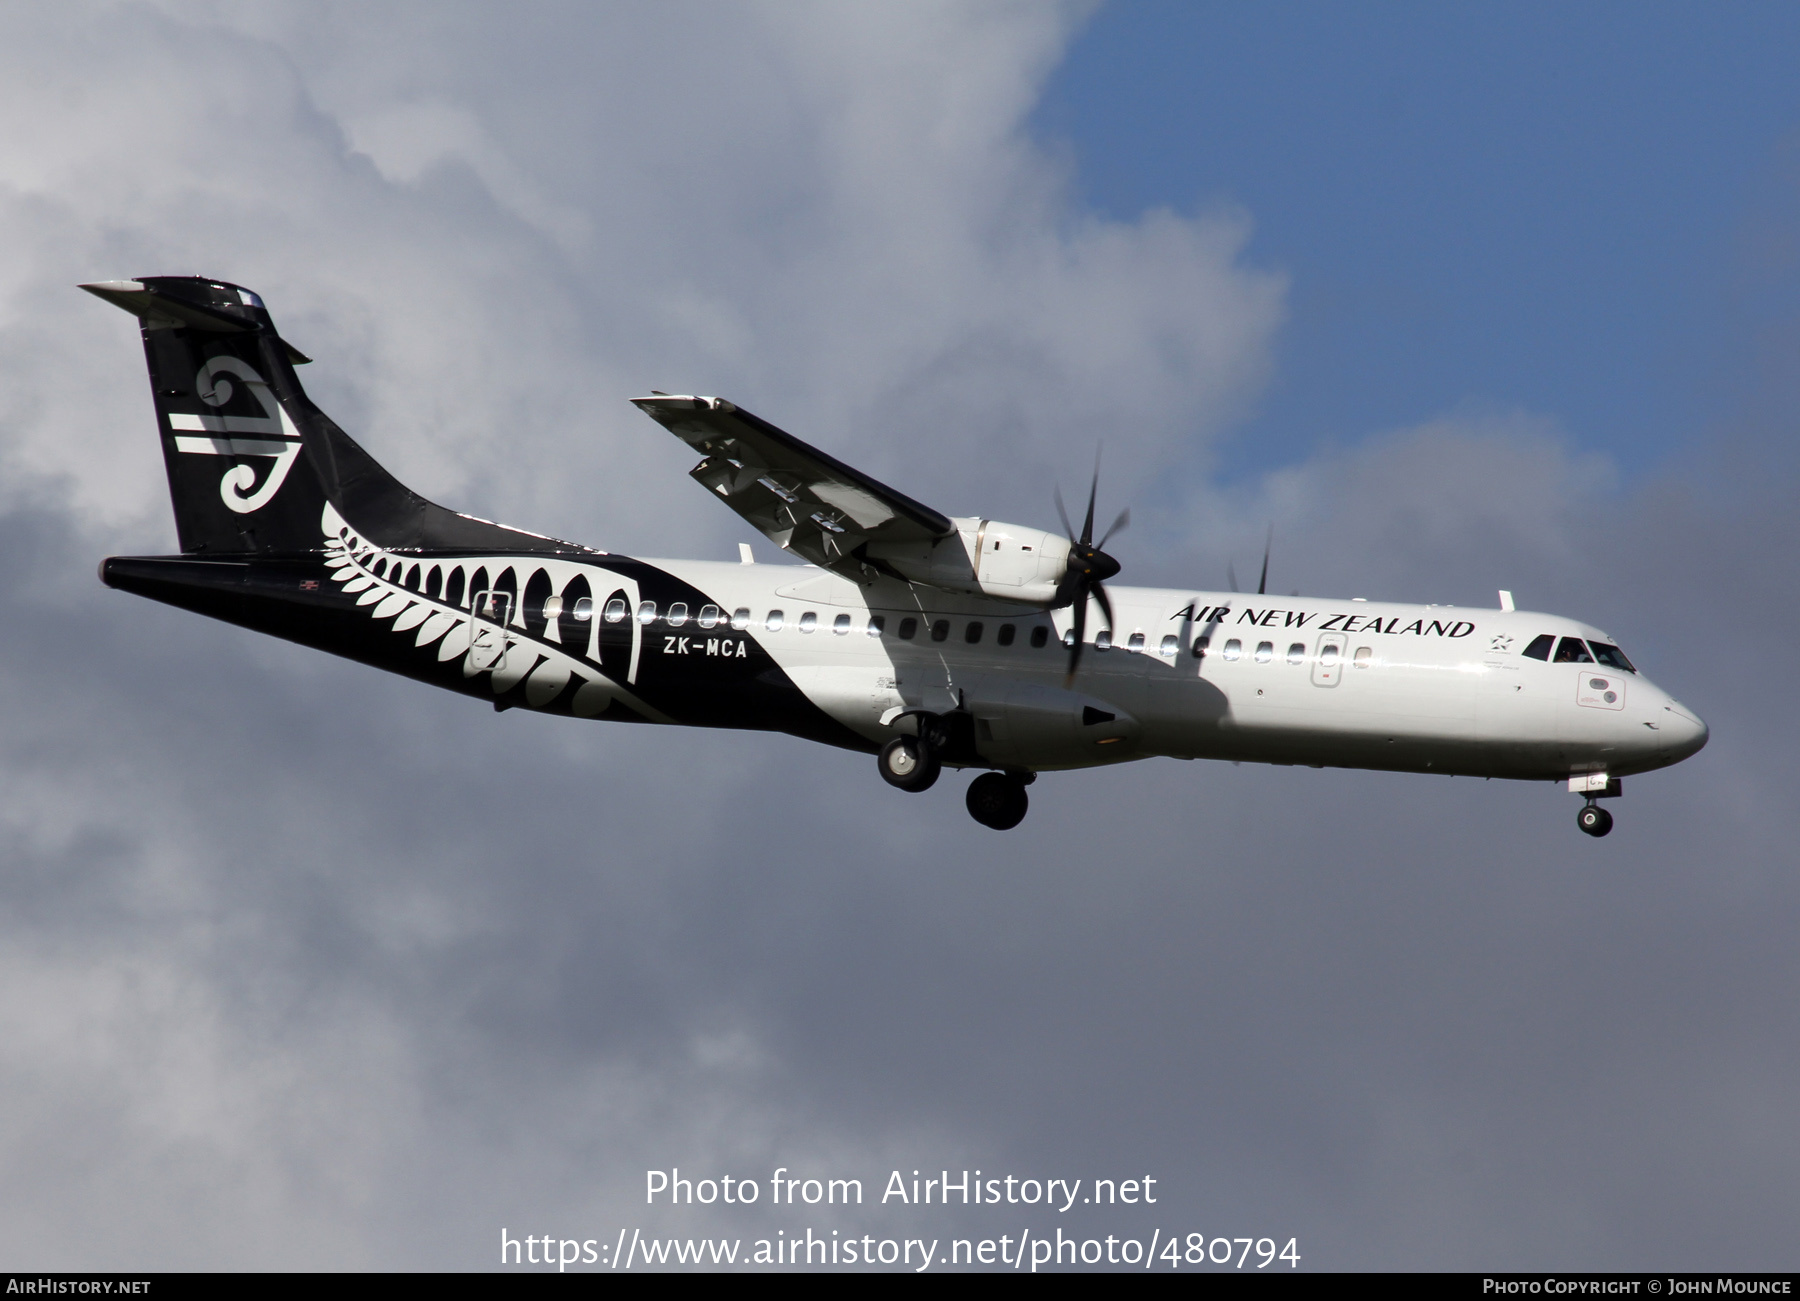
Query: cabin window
x,y
647,612
1136,643
553,607
710,615
1068,638
876,625
808,621
841,625
1540,647
1328,654
972,633
678,614
1006,634
1171,646
1200,645
1233,649
1363,655
1571,650
1103,639
940,629
1611,656
584,609
1265,651
908,627
1297,653
615,610
740,618
773,622
1039,636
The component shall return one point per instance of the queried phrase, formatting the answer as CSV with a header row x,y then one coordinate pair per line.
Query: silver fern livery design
x,y
929,641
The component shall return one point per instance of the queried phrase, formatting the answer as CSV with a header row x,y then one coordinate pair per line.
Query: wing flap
x,y
803,500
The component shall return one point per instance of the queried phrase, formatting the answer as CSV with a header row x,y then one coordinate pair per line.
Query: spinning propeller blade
x,y
1088,569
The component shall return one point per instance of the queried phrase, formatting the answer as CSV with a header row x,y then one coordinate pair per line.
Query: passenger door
x,y
487,642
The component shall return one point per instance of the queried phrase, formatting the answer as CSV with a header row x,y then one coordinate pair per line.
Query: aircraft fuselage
x,y
1183,673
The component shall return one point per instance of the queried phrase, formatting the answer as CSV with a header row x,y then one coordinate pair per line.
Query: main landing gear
x,y
998,800
909,763
995,799
1593,819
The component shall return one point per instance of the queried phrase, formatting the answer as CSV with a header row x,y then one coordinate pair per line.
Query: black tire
x,y
997,801
1594,820
906,763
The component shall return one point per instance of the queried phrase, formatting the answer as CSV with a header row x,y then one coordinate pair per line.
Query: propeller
x,y
1088,569
1262,584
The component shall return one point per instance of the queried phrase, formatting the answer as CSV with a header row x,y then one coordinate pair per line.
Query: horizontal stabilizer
x,y
158,309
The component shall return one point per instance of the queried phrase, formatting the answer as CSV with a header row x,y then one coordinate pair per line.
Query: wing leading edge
x,y
801,499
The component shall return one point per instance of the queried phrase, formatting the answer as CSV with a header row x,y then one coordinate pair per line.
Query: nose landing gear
x,y
1594,787
1593,819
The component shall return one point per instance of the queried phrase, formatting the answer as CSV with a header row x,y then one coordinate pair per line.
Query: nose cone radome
x,y
1687,734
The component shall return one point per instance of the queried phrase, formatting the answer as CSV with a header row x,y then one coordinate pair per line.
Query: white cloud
x,y
491,227
309,966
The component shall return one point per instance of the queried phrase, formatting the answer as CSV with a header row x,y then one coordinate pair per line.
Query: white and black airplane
x,y
923,639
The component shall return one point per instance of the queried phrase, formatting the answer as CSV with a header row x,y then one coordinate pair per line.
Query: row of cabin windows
x,y
1572,650
1296,652
711,616
1547,647
938,630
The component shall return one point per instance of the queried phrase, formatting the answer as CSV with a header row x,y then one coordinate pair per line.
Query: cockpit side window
x,y
1540,647
1611,656
1572,650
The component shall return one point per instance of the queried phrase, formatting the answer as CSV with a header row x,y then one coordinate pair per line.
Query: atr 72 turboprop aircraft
x,y
926,640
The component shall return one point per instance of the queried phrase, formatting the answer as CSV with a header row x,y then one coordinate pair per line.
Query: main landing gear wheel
x,y
1594,820
909,764
998,801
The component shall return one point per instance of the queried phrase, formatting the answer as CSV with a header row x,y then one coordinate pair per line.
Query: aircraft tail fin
x,y
252,463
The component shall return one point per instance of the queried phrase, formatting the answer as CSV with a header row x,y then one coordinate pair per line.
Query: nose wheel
x,y
998,800
1594,820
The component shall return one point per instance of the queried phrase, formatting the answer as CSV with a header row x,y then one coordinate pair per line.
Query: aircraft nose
x,y
1687,733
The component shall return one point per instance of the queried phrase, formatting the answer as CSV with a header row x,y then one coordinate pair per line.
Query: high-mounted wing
x,y
797,496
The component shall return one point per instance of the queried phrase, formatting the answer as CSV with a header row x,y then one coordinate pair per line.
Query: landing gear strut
x,y
909,763
1593,819
998,800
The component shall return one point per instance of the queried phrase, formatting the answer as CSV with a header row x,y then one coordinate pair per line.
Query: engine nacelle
x,y
986,558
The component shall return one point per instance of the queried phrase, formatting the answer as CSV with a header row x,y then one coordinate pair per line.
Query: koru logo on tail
x,y
211,435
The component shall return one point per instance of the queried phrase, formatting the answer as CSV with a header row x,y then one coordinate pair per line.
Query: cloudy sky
x,y
306,967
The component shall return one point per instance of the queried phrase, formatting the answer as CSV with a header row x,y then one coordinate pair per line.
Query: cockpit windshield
x,y
1611,656
1570,650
